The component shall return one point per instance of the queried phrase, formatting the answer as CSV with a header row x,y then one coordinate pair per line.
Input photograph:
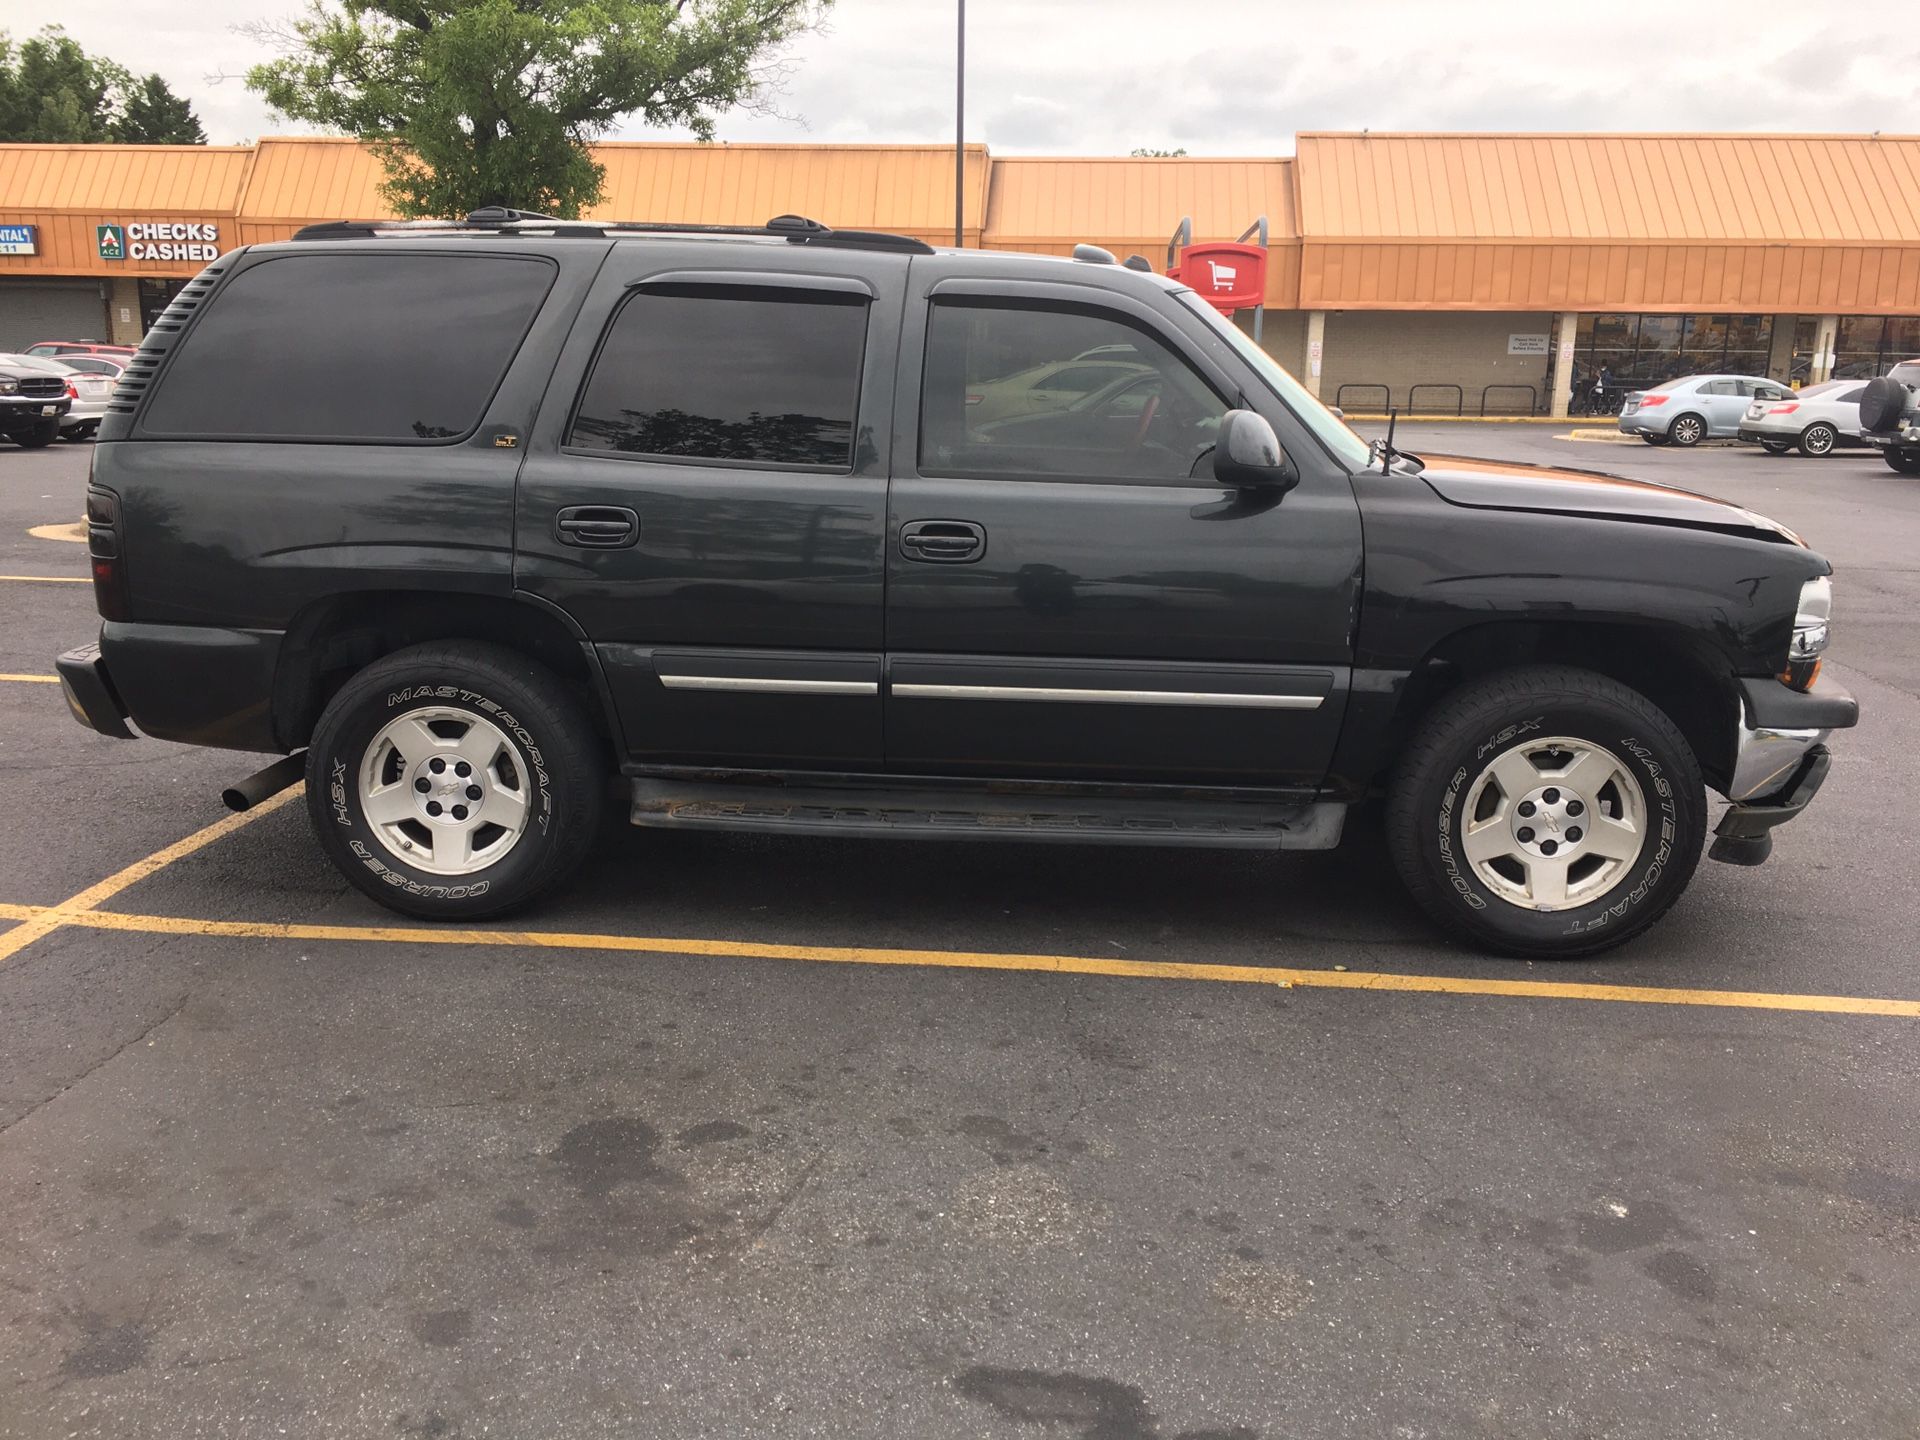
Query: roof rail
x,y
499,220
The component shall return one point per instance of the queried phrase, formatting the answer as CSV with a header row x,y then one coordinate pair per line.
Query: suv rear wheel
x,y
1547,812
455,780
1907,462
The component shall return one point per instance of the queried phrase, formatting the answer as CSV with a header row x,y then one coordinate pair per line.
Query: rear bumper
x,y
1643,422
90,695
191,683
1754,435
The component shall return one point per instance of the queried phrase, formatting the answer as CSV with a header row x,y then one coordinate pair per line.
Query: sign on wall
x,y
19,240
1528,344
159,240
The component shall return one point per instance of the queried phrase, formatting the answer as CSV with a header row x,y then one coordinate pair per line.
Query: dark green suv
x,y
485,523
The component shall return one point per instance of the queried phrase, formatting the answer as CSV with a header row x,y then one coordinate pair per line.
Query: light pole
x,y
960,132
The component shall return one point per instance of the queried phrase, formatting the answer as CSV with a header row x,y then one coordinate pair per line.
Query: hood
x,y
1499,485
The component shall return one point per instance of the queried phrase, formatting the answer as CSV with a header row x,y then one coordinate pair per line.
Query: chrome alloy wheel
x,y
1688,431
1553,824
444,790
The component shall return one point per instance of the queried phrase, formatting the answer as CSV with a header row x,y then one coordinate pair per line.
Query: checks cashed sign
x,y
159,240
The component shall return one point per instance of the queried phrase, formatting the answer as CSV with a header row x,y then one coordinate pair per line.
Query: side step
x,y
986,815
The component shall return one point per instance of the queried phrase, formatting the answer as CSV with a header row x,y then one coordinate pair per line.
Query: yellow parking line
x,y
50,579
973,960
32,679
20,912
74,909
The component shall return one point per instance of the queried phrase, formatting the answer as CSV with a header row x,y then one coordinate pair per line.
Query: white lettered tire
x,y
1547,812
455,780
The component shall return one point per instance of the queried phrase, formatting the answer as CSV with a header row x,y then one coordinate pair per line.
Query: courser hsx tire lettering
x,y
455,781
1552,717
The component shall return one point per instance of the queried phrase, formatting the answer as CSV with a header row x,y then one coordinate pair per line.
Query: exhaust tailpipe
x,y
285,771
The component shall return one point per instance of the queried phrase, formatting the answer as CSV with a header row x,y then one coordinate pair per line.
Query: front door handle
x,y
943,542
597,527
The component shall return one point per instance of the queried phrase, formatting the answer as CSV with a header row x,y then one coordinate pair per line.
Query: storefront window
x,y
1806,335
1641,350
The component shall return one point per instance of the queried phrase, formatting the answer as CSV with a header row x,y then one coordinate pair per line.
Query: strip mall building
x,y
1437,273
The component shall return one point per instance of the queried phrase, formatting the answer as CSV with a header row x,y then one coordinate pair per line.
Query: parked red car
x,y
57,348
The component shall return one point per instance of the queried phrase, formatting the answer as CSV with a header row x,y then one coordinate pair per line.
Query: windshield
x,y
1907,373
37,362
1333,432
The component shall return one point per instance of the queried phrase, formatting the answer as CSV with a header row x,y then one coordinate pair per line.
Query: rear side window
x,y
728,373
372,348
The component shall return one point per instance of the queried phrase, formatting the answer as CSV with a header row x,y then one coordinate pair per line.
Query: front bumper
x,y
1780,762
18,415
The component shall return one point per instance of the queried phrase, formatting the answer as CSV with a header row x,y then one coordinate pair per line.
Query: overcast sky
x,y
1220,77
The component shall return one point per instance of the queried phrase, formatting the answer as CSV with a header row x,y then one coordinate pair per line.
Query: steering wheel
x,y
1147,412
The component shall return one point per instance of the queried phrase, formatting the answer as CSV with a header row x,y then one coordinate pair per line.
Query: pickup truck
x,y
33,404
486,524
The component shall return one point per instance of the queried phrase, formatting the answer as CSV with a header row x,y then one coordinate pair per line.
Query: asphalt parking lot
x,y
840,1139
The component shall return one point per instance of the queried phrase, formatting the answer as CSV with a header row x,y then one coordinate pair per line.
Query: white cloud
x,y
1219,76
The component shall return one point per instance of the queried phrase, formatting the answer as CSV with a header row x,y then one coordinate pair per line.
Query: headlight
x,y
1811,628
9,387
1812,620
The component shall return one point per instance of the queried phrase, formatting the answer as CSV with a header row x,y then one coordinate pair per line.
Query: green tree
x,y
53,92
494,102
1147,152
154,115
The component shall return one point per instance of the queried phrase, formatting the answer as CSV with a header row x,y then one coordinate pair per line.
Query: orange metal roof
x,y
1138,200
906,188
317,178
160,179
1654,188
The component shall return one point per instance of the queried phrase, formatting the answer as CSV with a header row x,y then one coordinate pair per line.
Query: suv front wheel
x,y
1547,812
454,781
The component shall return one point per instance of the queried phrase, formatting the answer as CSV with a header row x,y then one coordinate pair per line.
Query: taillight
x,y
72,394
103,546
1786,409
1649,401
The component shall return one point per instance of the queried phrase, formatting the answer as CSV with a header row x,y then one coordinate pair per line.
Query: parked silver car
x,y
1816,419
88,390
1695,408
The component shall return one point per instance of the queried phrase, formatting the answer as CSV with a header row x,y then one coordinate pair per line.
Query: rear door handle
x,y
943,542
597,527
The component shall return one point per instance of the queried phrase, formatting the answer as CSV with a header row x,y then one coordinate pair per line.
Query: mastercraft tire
x,y
1547,812
455,781
1907,462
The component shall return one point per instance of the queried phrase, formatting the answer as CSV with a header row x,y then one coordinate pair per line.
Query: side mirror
x,y
1247,452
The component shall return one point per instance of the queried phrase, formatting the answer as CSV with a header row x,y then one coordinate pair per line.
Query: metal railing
x,y
1459,398
1386,395
1533,399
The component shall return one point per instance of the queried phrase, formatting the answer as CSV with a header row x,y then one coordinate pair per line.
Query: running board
x,y
982,815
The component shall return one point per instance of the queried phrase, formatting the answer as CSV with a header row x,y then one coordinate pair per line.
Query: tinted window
x,y
729,373
1720,387
364,347
1849,397
1149,417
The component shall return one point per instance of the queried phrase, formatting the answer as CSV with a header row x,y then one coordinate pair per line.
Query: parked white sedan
x,y
1815,420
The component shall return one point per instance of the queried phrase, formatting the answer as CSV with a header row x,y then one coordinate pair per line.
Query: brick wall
x,y
1401,349
1283,335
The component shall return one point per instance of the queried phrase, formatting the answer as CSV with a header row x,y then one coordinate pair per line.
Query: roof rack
x,y
499,220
